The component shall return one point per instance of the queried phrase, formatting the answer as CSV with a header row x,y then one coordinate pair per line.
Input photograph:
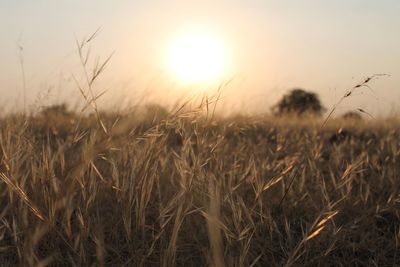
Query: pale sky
x,y
322,46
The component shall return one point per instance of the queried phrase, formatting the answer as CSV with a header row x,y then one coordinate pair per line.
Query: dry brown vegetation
x,y
151,187
188,190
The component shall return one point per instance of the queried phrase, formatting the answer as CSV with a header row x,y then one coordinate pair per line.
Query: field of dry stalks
x,y
185,190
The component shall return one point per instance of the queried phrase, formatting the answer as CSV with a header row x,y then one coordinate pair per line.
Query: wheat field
x,y
187,189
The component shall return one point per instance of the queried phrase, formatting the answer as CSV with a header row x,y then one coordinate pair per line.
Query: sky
x,y
322,46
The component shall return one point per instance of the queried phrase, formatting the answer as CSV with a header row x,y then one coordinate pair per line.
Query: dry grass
x,y
183,188
186,190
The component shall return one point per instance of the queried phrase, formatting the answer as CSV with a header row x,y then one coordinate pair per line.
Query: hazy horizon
x,y
325,47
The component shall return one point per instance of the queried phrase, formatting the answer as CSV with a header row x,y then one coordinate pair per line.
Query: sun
x,y
197,57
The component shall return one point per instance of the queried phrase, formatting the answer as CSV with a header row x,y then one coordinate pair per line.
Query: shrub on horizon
x,y
351,115
299,102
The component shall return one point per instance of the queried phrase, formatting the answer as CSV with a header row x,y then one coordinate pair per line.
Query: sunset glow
x,y
197,58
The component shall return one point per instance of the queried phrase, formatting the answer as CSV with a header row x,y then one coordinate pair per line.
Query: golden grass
x,y
186,190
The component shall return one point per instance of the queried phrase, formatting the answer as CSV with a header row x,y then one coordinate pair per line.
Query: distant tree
x,y
299,102
351,115
55,110
56,120
156,112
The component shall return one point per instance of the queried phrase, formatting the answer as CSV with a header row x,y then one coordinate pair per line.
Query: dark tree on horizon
x,y
299,102
352,115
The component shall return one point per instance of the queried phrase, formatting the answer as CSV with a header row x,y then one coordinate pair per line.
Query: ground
x,y
186,189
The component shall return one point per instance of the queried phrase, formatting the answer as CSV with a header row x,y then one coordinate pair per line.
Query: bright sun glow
x,y
197,58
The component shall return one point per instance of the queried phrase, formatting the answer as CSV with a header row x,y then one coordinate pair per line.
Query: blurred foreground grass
x,y
183,189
